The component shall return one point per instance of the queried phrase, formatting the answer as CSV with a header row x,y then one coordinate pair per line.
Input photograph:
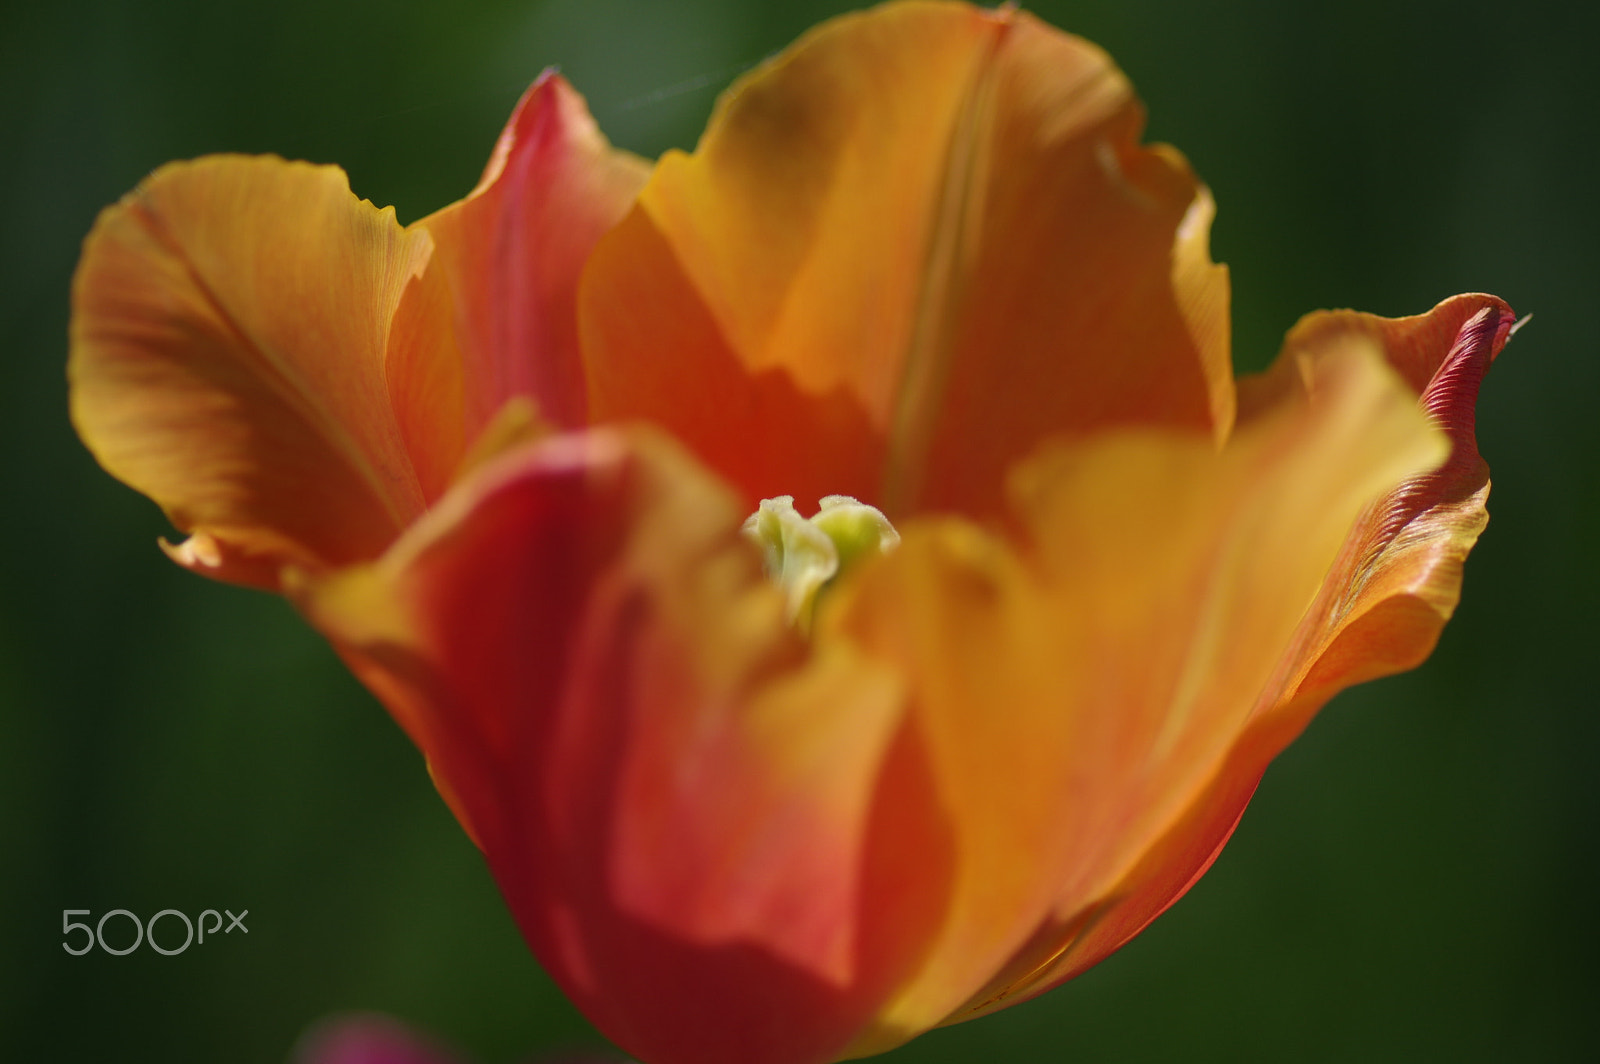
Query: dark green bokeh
x,y
1416,877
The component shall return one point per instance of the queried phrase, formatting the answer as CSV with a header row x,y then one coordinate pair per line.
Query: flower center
x,y
803,555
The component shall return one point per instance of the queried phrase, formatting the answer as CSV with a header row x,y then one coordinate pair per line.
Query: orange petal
x,y
1076,697
672,788
230,322
513,249
1378,610
654,352
424,369
920,241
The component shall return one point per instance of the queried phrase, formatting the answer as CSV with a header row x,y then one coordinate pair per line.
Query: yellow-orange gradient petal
x,y
1076,694
423,368
929,233
1378,611
230,324
1398,578
674,789
512,252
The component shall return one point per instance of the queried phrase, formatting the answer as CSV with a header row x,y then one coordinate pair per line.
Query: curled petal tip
x,y
210,556
198,552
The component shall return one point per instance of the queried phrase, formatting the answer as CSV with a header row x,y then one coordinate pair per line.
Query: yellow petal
x,y
1378,610
927,237
1076,695
230,324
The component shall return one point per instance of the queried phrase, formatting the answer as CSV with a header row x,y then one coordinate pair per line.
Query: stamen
x,y
803,556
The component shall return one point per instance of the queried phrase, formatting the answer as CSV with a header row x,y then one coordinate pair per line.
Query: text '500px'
x,y
146,931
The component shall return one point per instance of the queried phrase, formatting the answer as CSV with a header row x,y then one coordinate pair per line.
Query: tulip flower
x,y
368,1039
764,787
373,1038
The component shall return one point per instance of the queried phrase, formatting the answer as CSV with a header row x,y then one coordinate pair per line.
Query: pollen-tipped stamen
x,y
804,555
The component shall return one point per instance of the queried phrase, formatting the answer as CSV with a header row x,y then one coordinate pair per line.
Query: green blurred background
x,y
1416,879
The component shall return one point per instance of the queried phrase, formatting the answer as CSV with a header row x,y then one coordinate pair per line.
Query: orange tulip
x,y
501,458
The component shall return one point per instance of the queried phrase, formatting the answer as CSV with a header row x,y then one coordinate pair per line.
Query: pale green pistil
x,y
802,555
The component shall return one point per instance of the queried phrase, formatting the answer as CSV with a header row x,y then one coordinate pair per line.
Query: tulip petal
x,y
513,249
268,435
1379,610
1077,694
424,369
672,787
904,252
1398,578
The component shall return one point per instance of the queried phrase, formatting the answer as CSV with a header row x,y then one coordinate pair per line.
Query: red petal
x,y
512,252
672,788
